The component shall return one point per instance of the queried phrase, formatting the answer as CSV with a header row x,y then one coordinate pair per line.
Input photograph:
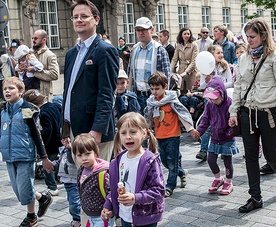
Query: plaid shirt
x,y
142,63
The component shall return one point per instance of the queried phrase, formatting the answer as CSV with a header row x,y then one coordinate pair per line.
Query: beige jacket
x,y
209,42
186,58
263,91
49,73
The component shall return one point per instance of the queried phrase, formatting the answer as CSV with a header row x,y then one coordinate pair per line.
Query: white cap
x,y
144,22
21,51
122,74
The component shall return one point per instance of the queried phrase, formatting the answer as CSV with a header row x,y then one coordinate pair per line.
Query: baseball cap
x,y
34,96
211,93
14,44
21,51
144,22
122,74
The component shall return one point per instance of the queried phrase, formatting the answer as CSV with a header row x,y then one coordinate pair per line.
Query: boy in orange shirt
x,y
166,112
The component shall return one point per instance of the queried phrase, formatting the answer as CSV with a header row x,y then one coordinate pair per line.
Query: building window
x,y
260,12
128,22
159,18
273,25
182,16
6,31
226,17
48,21
206,12
244,13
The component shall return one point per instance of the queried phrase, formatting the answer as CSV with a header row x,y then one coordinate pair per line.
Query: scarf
x,y
120,48
257,52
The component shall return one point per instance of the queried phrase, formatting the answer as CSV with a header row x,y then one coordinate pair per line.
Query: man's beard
x,y
37,47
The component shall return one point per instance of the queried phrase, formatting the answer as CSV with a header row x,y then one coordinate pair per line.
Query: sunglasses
x,y
205,32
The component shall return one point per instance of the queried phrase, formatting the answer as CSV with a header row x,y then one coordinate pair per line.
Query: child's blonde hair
x,y
16,81
223,63
138,121
83,143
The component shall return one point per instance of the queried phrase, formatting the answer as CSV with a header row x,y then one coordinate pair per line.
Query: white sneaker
x,y
183,179
75,223
53,192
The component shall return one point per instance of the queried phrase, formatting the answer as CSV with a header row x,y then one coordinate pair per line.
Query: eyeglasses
x,y
141,29
36,38
205,32
81,17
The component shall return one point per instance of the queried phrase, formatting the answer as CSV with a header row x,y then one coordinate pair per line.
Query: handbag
x,y
236,130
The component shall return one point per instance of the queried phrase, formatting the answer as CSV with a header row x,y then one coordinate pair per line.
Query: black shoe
x,y
266,169
201,155
250,205
29,222
43,206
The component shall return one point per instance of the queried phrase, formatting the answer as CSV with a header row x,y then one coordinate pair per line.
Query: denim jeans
x,y
73,200
127,224
169,154
22,180
49,178
191,102
205,139
142,100
97,221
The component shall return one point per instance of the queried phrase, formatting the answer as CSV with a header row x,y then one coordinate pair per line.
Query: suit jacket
x,y
92,95
209,42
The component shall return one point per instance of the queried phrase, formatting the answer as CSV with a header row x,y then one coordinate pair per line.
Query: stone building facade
x,y
118,18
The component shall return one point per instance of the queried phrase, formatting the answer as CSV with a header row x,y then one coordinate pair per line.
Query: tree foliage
x,y
266,4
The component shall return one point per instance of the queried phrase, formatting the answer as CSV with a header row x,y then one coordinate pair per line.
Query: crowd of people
x,y
119,122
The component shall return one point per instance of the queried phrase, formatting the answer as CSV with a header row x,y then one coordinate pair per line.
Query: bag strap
x,y
255,75
101,178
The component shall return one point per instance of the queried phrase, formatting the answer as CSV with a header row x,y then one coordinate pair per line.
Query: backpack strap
x,y
101,178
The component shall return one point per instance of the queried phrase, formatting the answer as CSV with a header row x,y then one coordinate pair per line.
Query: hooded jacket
x,y
126,102
217,116
91,198
149,189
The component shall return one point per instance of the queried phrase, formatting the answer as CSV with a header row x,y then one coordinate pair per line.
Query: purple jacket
x,y
149,189
217,116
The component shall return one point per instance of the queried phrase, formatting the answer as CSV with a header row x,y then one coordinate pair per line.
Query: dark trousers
x,y
251,145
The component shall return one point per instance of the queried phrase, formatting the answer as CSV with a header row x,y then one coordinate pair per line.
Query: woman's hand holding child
x,y
106,214
195,134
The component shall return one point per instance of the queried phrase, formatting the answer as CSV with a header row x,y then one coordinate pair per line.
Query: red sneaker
x,y
215,185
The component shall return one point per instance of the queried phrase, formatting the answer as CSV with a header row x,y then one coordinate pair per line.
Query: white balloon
x,y
243,33
205,62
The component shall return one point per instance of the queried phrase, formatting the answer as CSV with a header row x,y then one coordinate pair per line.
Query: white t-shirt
x,y
128,174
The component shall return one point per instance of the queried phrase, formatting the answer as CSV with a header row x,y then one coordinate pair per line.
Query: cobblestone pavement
x,y
191,206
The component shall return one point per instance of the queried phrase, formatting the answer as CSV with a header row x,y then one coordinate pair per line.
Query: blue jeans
x,y
127,224
73,200
189,102
142,100
49,178
205,139
97,221
22,180
169,154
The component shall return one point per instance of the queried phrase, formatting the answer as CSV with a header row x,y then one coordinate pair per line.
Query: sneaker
x,y
28,222
202,155
215,185
168,192
227,188
43,206
75,223
183,179
53,192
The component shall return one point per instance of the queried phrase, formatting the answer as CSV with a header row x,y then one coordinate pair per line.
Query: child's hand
x,y
106,214
195,134
30,69
127,199
66,142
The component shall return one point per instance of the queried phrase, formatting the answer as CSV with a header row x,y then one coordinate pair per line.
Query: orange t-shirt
x,y
169,126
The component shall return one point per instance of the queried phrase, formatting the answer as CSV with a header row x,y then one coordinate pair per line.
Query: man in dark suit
x,y
164,36
90,73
